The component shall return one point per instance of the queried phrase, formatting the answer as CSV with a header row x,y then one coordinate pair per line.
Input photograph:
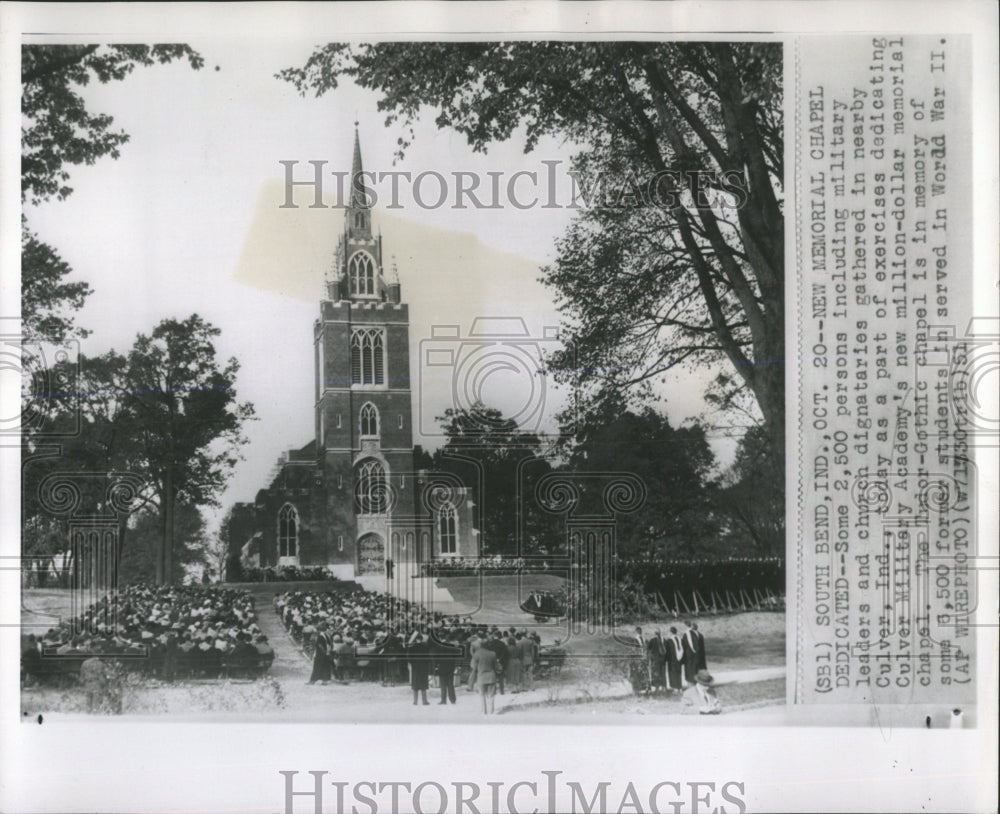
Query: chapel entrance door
x,y
371,555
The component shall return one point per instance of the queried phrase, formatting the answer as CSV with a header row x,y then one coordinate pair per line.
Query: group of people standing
x,y
497,659
673,661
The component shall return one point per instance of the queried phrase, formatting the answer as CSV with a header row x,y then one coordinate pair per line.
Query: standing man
x,y
419,655
656,652
675,660
446,656
690,658
484,676
696,641
495,643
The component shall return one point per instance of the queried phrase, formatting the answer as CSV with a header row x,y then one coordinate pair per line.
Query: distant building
x,y
350,499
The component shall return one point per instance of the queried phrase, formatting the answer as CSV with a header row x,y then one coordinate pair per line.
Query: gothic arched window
x,y
362,274
447,529
371,489
368,356
288,532
369,421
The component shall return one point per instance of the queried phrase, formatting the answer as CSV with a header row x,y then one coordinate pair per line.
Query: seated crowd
x,y
167,631
379,637
283,573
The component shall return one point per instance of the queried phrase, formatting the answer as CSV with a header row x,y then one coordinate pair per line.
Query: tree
x,y
692,128
58,131
675,465
139,561
46,295
87,436
186,420
752,497
494,458
166,411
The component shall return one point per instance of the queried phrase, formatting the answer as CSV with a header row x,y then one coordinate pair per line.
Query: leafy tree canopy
x,y
57,129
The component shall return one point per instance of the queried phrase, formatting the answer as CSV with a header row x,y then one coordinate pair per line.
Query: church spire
x,y
359,200
357,216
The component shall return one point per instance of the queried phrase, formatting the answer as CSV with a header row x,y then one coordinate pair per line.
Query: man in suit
x,y
446,655
675,660
696,642
418,653
391,652
495,643
690,658
656,653
346,658
485,664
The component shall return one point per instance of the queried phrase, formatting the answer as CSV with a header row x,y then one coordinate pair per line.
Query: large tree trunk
x,y
165,555
164,552
168,541
119,548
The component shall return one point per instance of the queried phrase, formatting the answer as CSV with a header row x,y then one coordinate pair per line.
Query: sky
x,y
190,219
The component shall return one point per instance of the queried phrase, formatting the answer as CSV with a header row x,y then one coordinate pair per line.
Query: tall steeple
x,y
358,214
357,183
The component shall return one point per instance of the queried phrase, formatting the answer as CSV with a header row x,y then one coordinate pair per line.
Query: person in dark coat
x,y
696,642
446,658
656,654
495,643
322,667
391,652
418,654
675,660
690,659
31,659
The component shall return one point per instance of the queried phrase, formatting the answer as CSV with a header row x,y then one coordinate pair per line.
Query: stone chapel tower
x,y
350,500
364,428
